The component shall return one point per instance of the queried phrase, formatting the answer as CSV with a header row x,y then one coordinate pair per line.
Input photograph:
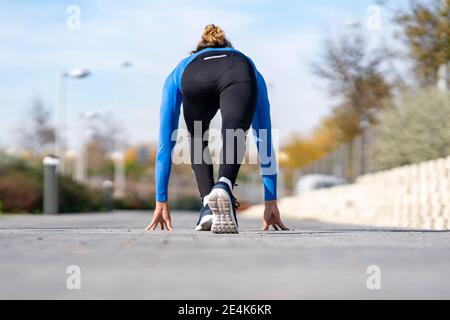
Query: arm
x,y
169,115
262,130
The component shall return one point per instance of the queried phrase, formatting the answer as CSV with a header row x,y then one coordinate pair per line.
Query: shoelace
x,y
237,204
235,200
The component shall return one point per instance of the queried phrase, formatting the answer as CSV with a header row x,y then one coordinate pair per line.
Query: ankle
x,y
206,199
227,181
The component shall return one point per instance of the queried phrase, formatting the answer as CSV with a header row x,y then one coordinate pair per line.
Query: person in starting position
x,y
216,76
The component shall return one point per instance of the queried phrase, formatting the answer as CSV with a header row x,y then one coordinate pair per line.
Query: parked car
x,y
317,181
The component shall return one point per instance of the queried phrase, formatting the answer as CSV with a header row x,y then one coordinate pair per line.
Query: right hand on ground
x,y
272,217
161,216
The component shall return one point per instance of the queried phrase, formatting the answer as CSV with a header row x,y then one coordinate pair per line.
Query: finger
x,y
282,226
154,225
265,226
162,225
275,226
149,227
165,225
169,222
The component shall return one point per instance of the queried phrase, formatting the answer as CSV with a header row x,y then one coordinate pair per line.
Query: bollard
x,y
107,187
51,185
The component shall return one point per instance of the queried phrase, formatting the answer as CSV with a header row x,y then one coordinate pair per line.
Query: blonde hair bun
x,y
213,35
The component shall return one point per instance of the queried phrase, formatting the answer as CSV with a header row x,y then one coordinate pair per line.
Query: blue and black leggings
x,y
225,81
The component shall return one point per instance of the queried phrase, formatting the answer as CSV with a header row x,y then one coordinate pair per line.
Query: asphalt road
x,y
313,260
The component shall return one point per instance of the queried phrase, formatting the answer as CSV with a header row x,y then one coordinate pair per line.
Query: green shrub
x,y
416,130
75,197
186,203
21,190
134,202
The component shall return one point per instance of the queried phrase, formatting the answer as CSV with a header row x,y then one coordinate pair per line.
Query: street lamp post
x,y
117,156
85,134
61,106
120,84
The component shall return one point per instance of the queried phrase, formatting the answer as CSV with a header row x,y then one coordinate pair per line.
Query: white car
x,y
317,181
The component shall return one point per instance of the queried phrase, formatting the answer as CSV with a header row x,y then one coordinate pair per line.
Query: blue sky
x,y
282,37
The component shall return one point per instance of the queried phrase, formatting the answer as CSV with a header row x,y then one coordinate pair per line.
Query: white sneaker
x,y
223,205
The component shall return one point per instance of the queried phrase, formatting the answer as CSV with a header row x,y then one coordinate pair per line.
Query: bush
x,y
416,130
75,197
187,203
134,202
21,190
19,194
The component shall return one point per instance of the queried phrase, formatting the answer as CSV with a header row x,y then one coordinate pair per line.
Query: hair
x,y
213,37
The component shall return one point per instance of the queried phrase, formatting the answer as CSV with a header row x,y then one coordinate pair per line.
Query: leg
x,y
198,118
237,106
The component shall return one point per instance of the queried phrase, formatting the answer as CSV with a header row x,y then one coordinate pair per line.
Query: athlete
x,y
216,76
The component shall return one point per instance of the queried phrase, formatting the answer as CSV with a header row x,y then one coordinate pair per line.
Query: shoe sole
x,y
223,217
205,224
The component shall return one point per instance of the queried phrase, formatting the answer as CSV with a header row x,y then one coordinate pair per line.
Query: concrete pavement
x,y
118,260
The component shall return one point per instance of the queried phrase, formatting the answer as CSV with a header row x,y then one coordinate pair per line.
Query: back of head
x,y
213,37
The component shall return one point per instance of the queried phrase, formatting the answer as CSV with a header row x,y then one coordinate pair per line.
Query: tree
x,y
415,130
297,153
353,74
300,151
36,133
341,126
426,31
107,133
105,136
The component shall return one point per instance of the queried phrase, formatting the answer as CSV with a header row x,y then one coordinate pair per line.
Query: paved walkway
x,y
118,260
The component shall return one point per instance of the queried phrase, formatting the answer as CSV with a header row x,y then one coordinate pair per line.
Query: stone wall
x,y
414,196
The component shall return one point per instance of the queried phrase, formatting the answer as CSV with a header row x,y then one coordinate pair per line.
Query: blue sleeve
x,y
169,115
262,130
